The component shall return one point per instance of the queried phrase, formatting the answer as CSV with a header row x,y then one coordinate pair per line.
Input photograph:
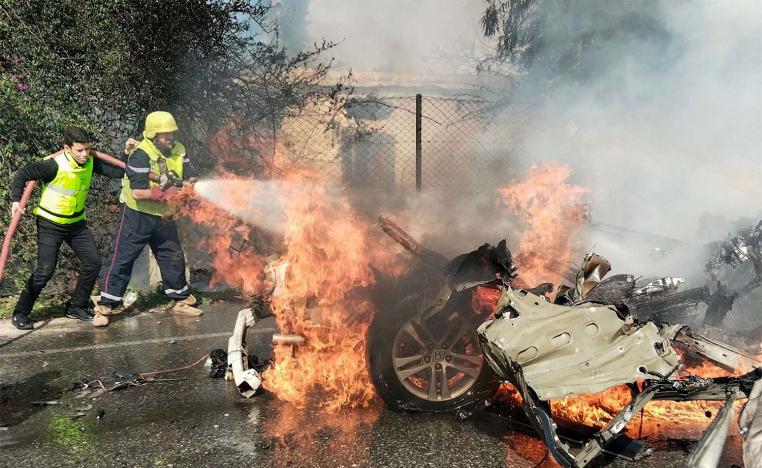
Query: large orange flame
x,y
551,211
331,253
332,256
598,409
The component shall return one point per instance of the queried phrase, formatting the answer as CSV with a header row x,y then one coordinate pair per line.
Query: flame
x,y
507,394
689,416
596,410
484,301
552,211
331,254
235,246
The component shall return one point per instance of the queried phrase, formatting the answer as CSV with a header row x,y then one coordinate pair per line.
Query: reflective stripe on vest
x,y
63,198
174,162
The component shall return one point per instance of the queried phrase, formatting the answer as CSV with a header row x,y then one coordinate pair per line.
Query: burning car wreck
x,y
446,346
551,351
584,342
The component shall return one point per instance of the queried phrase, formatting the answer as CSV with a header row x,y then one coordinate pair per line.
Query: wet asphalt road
x,y
202,422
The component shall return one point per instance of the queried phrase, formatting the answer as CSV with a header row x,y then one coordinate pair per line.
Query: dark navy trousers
x,y
134,231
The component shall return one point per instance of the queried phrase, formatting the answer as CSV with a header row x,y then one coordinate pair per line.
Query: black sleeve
x,y
105,169
188,169
44,170
138,167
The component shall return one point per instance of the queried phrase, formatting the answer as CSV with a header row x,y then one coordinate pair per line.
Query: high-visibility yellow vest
x,y
173,162
63,198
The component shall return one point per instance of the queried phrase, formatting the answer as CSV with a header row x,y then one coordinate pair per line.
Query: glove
x,y
16,206
130,145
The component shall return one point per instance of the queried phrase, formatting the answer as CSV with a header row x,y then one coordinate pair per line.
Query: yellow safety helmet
x,y
159,122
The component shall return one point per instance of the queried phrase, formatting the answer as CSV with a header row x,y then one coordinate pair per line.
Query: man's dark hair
x,y
75,135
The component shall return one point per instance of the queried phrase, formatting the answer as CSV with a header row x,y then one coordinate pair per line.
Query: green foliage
x,y
104,65
71,435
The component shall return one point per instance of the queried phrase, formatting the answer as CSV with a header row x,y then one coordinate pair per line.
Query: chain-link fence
x,y
449,144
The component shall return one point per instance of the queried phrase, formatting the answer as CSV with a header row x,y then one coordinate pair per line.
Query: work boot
x,y
100,320
77,313
108,310
101,315
185,307
104,310
22,322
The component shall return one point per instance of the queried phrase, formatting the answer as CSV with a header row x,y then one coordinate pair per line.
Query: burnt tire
x,y
452,374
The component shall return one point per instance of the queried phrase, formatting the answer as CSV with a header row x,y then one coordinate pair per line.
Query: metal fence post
x,y
418,155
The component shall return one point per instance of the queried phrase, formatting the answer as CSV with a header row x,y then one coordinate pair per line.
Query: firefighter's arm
x,y
145,194
154,193
44,170
138,168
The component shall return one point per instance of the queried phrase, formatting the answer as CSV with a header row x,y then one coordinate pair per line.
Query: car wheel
x,y
430,364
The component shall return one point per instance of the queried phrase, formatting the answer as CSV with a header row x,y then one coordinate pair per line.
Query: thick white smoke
x,y
405,36
663,127
664,130
660,147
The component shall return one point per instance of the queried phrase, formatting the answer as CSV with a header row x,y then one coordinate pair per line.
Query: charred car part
x,y
555,350
245,369
661,300
742,248
424,352
246,379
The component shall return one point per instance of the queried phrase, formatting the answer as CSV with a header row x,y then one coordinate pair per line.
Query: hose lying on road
x,y
166,371
121,380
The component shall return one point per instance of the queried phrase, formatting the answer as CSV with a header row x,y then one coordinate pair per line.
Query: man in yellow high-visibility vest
x,y
61,218
145,218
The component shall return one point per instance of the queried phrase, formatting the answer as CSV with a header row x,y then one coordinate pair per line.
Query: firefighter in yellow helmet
x,y
66,178
145,218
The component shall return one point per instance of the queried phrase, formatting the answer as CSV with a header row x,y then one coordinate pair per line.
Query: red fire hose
x,y
28,193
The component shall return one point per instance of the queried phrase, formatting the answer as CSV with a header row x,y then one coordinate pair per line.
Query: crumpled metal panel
x,y
589,276
594,268
568,350
669,283
708,450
